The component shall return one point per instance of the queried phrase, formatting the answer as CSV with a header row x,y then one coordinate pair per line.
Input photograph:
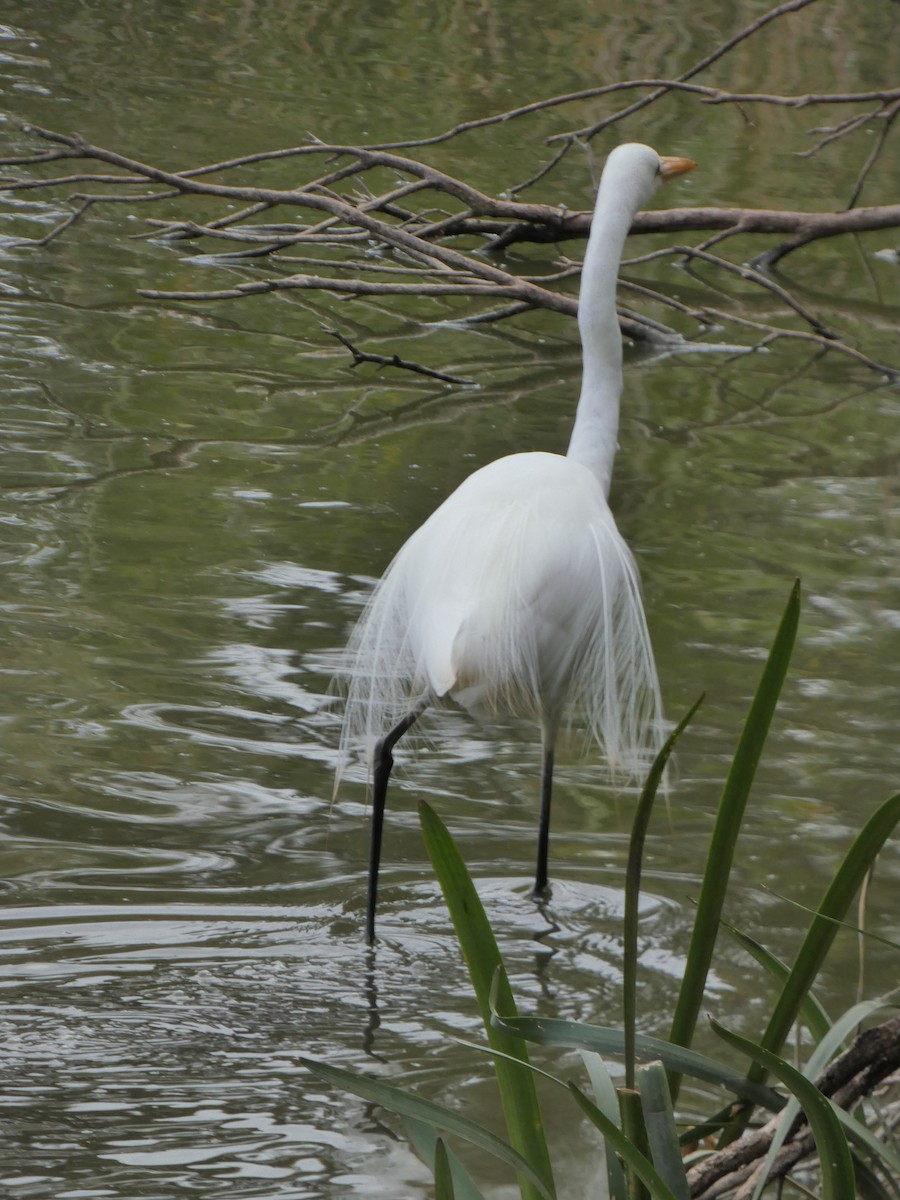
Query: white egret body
x,y
518,594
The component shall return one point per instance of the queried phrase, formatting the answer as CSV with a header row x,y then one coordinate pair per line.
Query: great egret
x,y
519,594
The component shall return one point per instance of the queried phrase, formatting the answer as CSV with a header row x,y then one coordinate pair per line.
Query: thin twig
x,y
393,360
763,281
709,95
834,132
874,153
773,14
63,225
774,333
348,287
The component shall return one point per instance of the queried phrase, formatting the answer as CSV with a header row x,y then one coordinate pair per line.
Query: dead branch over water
x,y
378,223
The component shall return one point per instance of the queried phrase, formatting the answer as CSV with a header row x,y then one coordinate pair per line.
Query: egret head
x,y
635,171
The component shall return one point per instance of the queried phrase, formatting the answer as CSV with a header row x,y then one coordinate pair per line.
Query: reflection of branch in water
x,y
352,428
349,429
768,408
176,455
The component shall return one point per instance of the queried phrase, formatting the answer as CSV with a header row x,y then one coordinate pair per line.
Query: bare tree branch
x,y
368,221
659,88
707,95
515,221
887,115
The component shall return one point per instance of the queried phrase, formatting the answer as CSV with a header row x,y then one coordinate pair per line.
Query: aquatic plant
x,y
824,1105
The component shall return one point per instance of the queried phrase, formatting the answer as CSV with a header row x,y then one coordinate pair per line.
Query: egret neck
x,y
595,432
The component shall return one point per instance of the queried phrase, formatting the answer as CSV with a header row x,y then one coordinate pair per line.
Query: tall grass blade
x,y
659,1121
518,1095
631,1118
868,935
630,1155
812,1013
833,1152
633,890
605,1098
825,924
557,1031
405,1105
728,822
818,1060
443,1179
425,1138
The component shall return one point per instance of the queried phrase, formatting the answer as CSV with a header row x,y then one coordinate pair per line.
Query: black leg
x,y
541,885
384,761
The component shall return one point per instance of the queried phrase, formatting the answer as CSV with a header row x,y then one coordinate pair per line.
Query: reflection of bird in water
x,y
518,593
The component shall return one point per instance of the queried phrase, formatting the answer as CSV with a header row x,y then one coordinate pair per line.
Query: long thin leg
x,y
541,885
384,761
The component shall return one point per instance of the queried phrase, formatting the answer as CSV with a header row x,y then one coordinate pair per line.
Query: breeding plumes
x,y
519,595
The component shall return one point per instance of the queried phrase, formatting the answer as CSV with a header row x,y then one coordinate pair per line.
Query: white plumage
x,y
518,594
511,600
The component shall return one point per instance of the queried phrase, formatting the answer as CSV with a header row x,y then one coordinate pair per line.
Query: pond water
x,y
196,500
